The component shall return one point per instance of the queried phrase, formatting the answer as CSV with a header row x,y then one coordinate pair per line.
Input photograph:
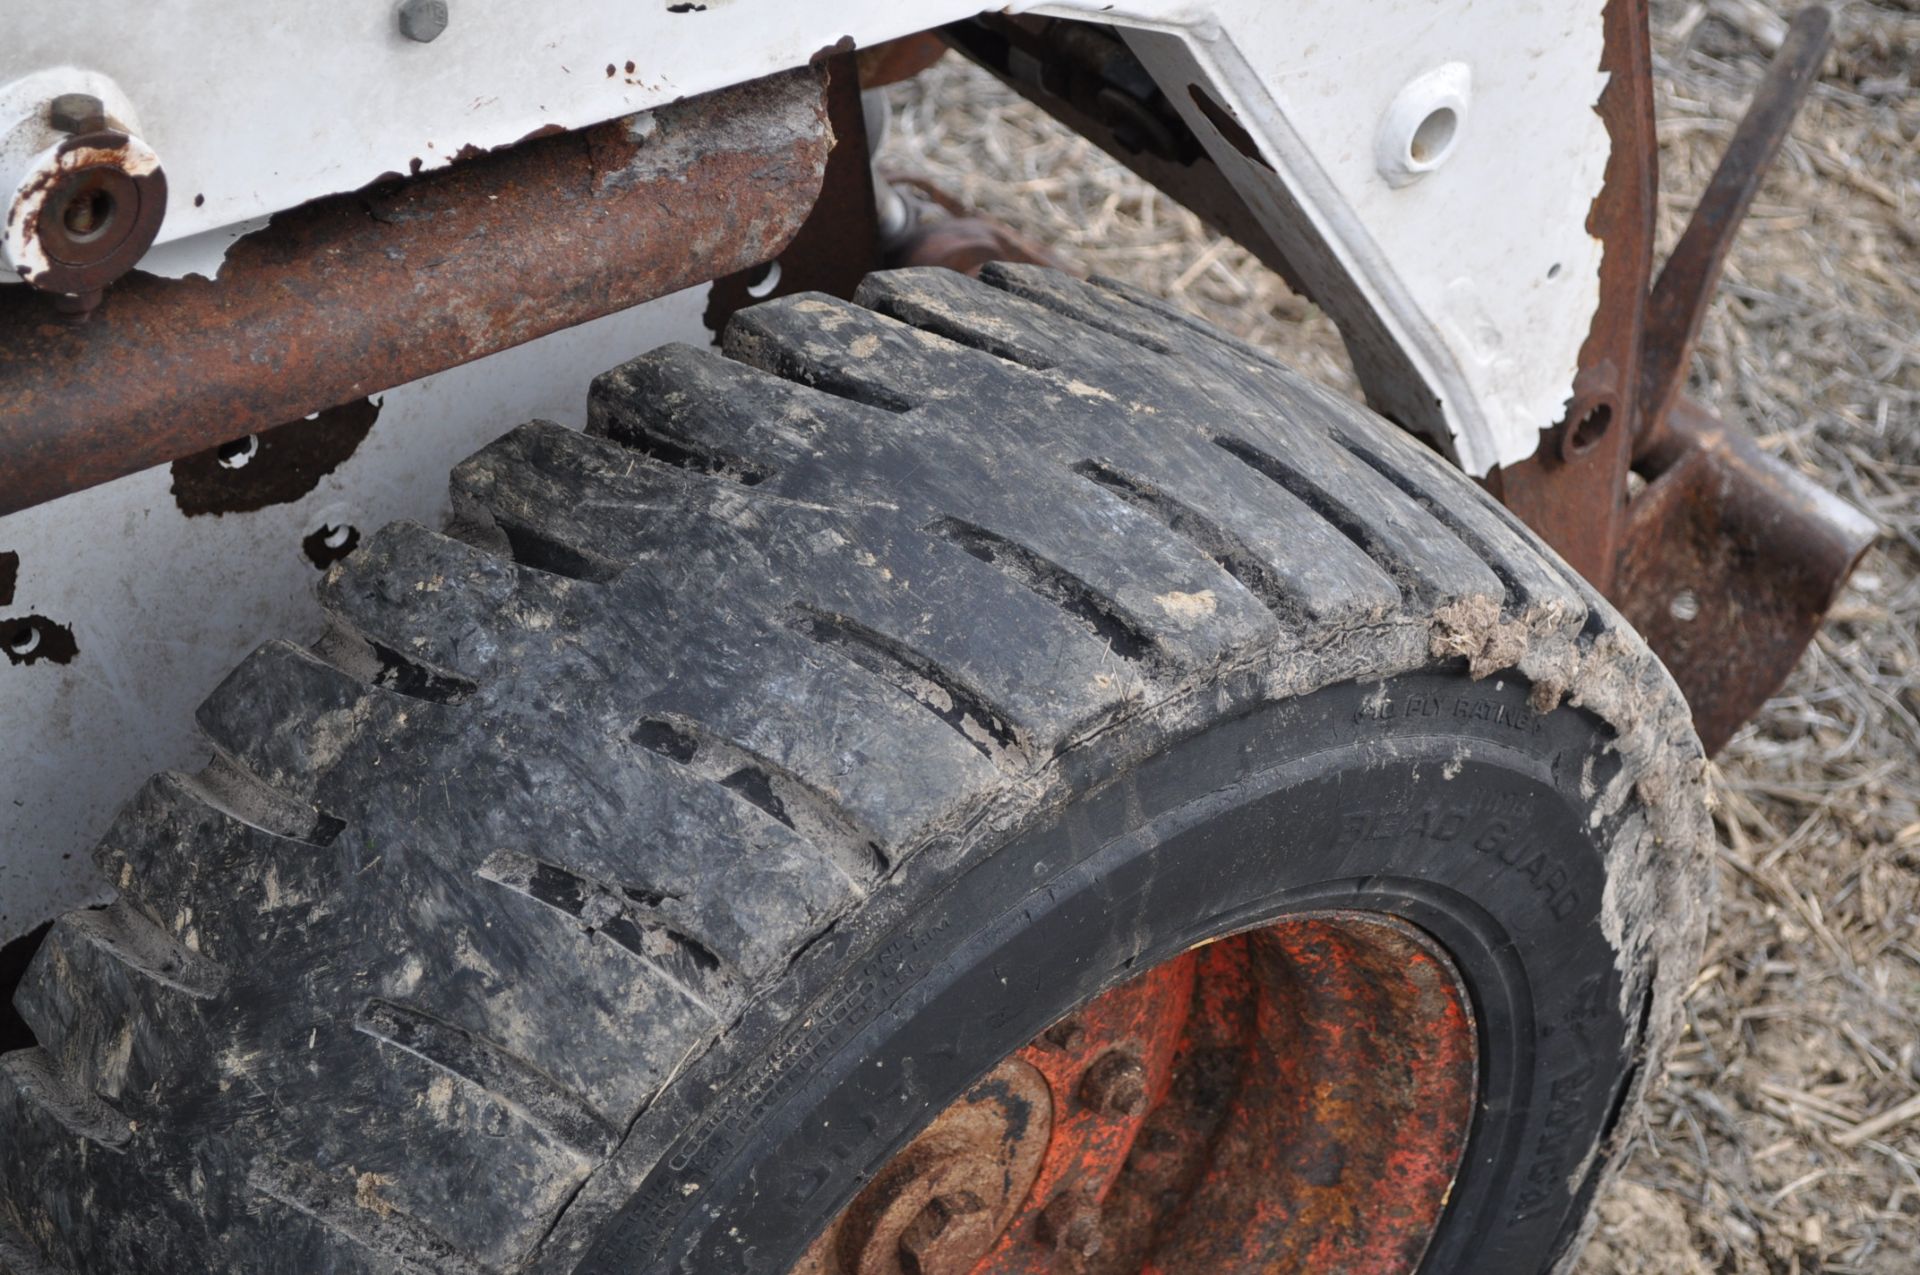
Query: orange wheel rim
x,y
1294,1098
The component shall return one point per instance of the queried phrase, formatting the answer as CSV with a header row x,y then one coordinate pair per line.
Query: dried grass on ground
x,y
1805,1021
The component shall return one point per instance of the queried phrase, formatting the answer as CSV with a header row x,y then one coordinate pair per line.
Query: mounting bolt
x,y
1068,1034
1071,1225
1116,1085
422,20
77,113
79,213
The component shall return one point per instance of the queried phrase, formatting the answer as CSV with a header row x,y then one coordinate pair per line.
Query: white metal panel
x,y
259,105
1481,268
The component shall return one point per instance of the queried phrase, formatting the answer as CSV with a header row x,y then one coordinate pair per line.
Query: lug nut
x,y
1116,1085
1071,1225
1068,1034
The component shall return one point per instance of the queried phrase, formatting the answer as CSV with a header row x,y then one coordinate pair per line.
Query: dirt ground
x,y
1764,1154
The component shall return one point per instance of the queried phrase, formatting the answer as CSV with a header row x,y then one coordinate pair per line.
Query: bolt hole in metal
x,y
1300,1092
237,454
762,282
24,640
1424,124
1585,433
329,543
1434,137
1685,606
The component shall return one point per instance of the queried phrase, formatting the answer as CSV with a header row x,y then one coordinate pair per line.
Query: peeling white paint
x,y
202,254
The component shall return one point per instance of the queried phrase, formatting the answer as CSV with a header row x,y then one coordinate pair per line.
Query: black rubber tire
x,y
867,697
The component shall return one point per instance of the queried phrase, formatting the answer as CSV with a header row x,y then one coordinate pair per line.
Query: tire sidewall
x,y
1447,802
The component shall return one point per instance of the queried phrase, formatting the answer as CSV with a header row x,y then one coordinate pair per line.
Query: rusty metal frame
x,y
1573,491
361,292
1729,558
1730,561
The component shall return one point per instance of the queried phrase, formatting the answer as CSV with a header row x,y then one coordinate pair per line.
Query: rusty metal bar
x,y
1678,303
364,291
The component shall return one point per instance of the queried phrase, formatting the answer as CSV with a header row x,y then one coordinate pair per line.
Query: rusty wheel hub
x,y
1294,1098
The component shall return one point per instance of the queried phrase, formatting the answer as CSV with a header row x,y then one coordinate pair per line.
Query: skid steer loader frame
x,y
279,268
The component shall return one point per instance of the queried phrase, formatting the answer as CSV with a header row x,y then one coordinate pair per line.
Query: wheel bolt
x,y
1068,1034
947,1236
1116,1085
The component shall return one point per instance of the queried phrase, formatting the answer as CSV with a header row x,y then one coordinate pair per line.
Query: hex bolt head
x,y
77,113
422,20
1116,1085
1070,1224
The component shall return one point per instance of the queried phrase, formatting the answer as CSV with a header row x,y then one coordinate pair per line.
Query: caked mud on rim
x,y
1299,1095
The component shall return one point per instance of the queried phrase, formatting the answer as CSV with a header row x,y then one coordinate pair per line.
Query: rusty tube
x,y
360,292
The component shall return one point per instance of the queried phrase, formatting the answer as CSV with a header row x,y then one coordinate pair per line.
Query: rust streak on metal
x,y
361,292
1573,490
1732,559
1678,303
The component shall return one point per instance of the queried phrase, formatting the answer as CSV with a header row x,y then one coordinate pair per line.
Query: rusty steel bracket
x,y
1573,490
360,292
1732,560
838,243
